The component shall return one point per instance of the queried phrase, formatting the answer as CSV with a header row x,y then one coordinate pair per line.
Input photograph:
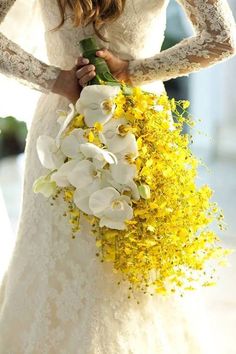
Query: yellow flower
x,y
91,137
185,104
68,194
78,121
98,127
173,104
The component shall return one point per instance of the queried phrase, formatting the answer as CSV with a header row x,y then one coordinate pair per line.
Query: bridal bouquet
x,y
120,159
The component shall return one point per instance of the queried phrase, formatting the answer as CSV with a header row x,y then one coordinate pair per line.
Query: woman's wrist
x,y
67,85
59,83
123,75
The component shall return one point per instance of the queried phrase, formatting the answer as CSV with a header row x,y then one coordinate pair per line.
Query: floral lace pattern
x,y
16,63
215,40
56,297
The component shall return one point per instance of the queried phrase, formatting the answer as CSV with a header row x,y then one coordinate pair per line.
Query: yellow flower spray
x,y
168,244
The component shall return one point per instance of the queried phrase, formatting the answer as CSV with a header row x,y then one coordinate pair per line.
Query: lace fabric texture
x,y
214,41
56,297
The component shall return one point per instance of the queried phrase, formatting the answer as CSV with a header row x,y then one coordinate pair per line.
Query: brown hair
x,y
97,12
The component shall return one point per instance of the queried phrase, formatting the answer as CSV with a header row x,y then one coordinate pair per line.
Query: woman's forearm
x,y
214,41
18,64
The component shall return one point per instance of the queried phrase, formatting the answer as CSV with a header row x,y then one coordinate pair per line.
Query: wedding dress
x,y
56,296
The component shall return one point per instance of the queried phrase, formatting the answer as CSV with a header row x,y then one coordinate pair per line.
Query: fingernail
x,y
85,61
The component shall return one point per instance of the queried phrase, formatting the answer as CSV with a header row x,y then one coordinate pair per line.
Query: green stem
x,y
103,76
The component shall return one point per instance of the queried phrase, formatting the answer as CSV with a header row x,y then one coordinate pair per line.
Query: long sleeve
x,y
18,64
214,40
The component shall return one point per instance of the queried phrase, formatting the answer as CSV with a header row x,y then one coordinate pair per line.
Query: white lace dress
x,y
56,297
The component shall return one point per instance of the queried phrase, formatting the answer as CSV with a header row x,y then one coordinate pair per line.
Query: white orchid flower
x,y
81,196
61,175
95,103
113,137
99,164
70,145
111,207
130,146
124,171
65,123
111,128
45,185
84,174
130,187
92,151
49,154
116,141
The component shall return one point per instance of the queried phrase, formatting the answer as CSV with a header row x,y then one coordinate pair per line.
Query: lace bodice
x,y
137,36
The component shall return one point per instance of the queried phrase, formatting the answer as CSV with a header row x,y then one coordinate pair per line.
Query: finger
x,y
84,71
86,78
104,53
80,61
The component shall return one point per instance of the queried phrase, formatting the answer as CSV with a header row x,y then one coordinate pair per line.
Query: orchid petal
x,y
112,224
123,172
81,200
61,116
108,181
49,155
65,123
134,189
82,175
70,145
81,197
45,186
129,146
101,199
61,176
92,116
99,164
123,144
92,151
110,128
111,136
119,211
96,94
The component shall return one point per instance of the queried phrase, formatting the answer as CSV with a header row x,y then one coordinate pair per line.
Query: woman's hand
x,y
67,83
70,82
117,66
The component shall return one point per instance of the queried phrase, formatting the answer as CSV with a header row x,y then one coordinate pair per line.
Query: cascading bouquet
x,y
120,160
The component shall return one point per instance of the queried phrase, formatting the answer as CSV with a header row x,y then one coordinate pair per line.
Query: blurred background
x,y
213,100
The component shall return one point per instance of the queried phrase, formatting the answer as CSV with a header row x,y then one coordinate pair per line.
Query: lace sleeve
x,y
214,41
16,63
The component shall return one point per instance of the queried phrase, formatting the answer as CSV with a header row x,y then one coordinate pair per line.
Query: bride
x,y
56,297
